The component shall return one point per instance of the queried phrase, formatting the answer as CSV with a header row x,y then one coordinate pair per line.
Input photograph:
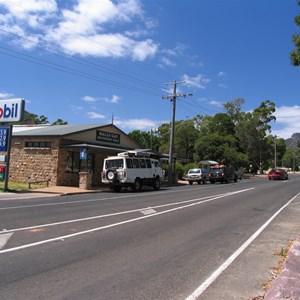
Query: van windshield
x,y
114,163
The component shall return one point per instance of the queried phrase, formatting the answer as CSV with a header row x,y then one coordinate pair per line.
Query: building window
x,y
76,165
38,144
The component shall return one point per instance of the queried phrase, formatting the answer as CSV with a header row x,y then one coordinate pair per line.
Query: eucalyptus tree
x,y
147,139
295,55
252,131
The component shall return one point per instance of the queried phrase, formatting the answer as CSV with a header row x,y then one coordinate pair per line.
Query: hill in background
x,y
293,141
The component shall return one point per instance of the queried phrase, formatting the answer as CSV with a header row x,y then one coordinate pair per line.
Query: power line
x,y
48,64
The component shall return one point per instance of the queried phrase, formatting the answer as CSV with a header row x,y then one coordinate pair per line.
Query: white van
x,y
131,169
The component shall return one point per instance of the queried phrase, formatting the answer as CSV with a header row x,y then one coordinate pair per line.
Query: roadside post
x,y
11,110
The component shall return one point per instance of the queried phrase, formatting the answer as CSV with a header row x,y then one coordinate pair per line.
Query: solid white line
x,y
228,262
116,224
113,214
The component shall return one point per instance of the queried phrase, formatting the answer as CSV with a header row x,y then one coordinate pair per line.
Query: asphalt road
x,y
196,242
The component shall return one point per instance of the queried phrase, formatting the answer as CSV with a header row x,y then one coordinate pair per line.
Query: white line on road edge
x,y
119,223
228,262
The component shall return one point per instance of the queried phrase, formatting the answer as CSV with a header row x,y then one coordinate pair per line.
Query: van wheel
x,y
204,180
117,189
156,184
137,186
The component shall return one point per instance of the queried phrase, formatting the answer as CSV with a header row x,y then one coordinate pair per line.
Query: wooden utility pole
x,y
171,149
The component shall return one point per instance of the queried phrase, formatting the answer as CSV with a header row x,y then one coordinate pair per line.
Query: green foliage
x,y
59,122
179,170
233,109
189,166
185,136
33,119
295,55
148,140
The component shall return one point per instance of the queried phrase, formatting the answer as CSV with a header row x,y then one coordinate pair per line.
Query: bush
x,y
190,166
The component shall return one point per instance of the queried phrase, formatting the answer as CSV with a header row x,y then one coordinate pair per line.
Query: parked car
x,y
278,174
197,175
222,173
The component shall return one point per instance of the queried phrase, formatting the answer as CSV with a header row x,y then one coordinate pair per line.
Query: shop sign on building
x,y
109,137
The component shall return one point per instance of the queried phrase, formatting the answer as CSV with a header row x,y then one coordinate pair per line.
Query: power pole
x,y
171,149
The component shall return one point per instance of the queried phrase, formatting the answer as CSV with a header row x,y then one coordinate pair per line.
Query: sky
x,y
103,61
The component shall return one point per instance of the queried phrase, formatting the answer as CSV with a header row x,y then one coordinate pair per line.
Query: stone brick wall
x,y
33,164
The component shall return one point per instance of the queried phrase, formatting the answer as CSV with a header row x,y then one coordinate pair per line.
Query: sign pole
x,y
6,176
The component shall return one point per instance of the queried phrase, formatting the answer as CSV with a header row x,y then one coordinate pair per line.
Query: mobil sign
x,y
11,110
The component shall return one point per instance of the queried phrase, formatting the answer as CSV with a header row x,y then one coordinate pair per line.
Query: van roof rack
x,y
133,153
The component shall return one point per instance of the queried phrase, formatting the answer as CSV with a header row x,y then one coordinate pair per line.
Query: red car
x,y
277,173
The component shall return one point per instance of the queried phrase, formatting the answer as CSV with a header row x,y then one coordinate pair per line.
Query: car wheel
x,y
212,181
204,180
199,181
190,182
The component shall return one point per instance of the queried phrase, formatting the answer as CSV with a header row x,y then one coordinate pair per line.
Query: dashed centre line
x,y
187,203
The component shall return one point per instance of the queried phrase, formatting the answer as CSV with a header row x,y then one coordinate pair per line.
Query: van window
x,y
136,163
156,164
148,163
142,163
114,163
129,163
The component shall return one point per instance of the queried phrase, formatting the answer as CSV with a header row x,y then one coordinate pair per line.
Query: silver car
x,y
197,175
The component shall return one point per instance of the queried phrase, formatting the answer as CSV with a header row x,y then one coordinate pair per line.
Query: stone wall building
x,y
60,153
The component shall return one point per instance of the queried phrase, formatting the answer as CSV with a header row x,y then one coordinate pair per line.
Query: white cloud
x,y
216,103
167,62
221,74
198,81
22,9
89,99
115,99
287,121
6,95
93,115
88,28
138,124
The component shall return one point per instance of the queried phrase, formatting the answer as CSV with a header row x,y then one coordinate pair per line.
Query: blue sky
x,y
85,61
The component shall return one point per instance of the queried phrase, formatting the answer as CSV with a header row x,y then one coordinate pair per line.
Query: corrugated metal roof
x,y
53,130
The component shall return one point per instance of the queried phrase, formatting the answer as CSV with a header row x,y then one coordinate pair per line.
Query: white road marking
x,y
4,237
119,223
148,211
199,291
118,213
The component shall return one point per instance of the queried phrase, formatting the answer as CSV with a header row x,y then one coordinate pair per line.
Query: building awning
x,y
85,145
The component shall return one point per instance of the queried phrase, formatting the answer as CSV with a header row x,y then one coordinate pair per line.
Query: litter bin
x,y
2,173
